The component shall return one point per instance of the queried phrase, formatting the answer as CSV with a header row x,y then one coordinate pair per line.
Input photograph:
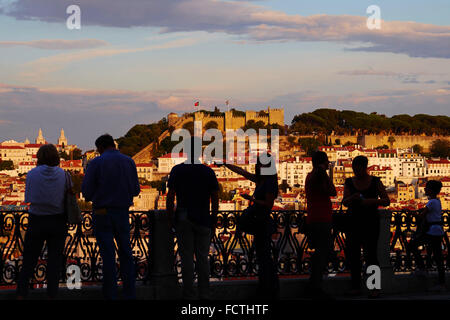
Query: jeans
x,y
320,233
268,283
193,238
362,234
107,227
52,230
435,242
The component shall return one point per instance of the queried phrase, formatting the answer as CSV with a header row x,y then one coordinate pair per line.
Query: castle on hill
x,y
231,119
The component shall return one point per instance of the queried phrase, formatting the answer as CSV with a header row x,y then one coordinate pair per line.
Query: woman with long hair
x,y
319,188
363,194
266,191
45,191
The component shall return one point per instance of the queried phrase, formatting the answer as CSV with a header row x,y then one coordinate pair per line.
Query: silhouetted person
x,y
266,191
196,189
45,191
363,194
430,232
111,182
319,188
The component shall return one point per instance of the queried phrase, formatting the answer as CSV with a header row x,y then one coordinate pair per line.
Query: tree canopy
x,y
140,136
347,122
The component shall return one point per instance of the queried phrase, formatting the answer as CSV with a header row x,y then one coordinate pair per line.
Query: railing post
x,y
384,251
163,278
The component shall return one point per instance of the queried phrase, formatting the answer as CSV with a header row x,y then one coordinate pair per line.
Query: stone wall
x,y
372,141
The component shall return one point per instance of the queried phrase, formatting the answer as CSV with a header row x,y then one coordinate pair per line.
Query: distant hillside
x,y
319,121
140,136
351,122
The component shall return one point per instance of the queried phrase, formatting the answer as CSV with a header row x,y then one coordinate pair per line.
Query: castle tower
x,y
40,138
172,118
62,141
26,141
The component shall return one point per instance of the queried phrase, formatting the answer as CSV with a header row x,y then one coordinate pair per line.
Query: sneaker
x,y
438,288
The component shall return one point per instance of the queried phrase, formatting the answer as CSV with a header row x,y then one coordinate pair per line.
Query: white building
x,y
145,171
168,161
295,170
437,167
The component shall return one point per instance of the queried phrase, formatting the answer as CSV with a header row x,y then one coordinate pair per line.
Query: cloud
x,y
56,44
406,78
248,21
369,72
85,114
38,68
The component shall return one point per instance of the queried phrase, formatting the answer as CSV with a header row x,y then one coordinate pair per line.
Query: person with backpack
x,y
45,189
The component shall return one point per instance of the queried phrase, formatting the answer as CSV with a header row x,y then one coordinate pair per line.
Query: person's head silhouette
x,y
359,165
194,150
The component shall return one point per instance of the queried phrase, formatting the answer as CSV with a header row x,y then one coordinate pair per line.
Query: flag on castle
x,y
197,103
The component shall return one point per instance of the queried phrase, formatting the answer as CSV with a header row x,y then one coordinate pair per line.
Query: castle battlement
x,y
230,121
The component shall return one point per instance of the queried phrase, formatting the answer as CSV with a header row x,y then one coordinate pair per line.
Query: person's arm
x,y
422,213
136,187
383,199
214,207
89,182
27,189
242,172
170,205
349,198
331,188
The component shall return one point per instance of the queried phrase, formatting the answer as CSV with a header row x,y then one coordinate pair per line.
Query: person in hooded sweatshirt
x,y
45,191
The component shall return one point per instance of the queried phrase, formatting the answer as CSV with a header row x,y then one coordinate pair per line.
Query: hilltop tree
x,y
309,145
327,121
291,140
140,136
391,141
440,148
6,165
417,148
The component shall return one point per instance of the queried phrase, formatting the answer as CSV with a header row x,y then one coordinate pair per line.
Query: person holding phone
x,y
266,191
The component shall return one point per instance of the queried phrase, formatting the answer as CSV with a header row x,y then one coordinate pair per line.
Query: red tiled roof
x,y
142,165
174,155
33,145
12,147
440,161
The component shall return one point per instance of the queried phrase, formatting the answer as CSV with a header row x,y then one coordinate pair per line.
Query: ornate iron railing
x,y
232,255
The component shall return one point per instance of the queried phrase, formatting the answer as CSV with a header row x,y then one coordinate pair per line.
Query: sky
x,y
133,62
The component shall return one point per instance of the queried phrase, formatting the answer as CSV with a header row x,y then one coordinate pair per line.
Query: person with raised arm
x,y
266,191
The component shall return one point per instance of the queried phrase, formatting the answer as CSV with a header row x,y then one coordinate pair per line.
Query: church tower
x,y
62,141
40,138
